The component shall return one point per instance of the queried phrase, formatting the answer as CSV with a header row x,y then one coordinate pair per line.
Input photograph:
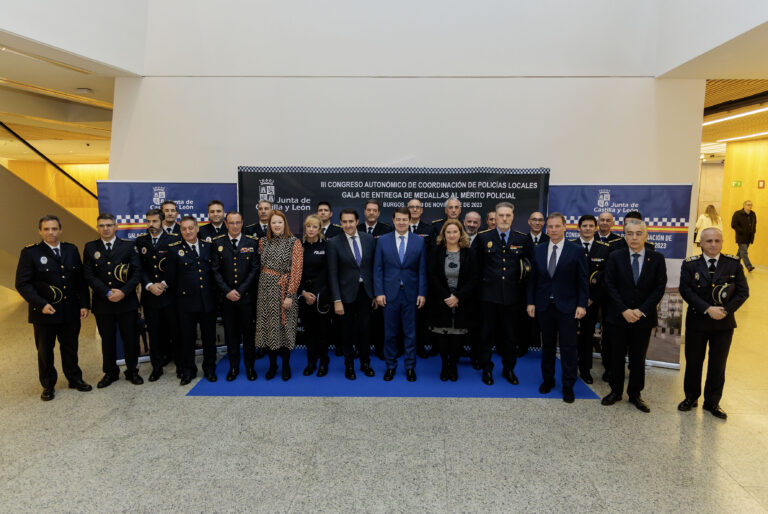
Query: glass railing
x,y
34,168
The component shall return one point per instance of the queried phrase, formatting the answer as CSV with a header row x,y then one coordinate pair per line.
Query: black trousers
x,y
355,328
239,328
188,322
376,332
450,347
606,347
632,339
109,325
163,341
502,323
557,327
45,339
586,338
695,349
316,329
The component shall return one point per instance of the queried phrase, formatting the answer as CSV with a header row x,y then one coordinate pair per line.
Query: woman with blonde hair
x,y
277,313
709,219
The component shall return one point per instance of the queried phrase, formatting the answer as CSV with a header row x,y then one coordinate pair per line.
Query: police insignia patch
x,y
490,244
43,259
97,255
181,253
144,249
220,248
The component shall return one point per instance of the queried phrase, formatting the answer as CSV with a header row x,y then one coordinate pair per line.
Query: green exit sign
x,y
736,183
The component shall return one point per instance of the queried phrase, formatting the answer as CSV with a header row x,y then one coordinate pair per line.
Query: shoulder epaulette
x,y
610,242
484,231
335,225
693,258
128,240
573,240
255,238
650,243
521,233
438,221
251,224
601,243
145,234
729,256
31,245
175,243
217,237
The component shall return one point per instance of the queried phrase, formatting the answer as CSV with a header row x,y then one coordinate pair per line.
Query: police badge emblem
x,y
220,248
97,255
43,259
181,253
490,244
696,276
144,249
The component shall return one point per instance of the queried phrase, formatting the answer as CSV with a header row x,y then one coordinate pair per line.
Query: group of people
x,y
401,288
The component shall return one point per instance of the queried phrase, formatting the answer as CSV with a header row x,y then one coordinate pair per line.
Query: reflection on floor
x,y
152,448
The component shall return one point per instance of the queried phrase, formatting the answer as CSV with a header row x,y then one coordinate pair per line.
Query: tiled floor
x,y
150,448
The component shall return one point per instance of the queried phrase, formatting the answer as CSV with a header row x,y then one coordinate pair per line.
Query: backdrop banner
x,y
665,209
296,190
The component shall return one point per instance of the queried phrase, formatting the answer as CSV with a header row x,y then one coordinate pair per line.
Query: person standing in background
x,y
710,218
744,222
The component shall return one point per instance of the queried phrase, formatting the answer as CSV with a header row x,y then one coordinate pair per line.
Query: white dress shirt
x,y
590,242
560,246
405,241
640,259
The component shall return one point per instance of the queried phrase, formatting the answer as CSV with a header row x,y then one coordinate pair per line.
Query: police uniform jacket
x,y
332,230
610,238
42,278
154,266
314,275
543,238
422,229
500,268
175,230
696,287
208,232
190,277
236,268
597,258
119,268
254,229
379,230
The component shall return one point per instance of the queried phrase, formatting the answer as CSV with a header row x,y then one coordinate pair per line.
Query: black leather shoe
x,y
250,373
715,409
611,399
410,375
47,394
487,377
185,379
510,376
367,370
546,387
80,386
640,404
106,381
444,373
309,369
568,396
156,373
748,269
349,373
232,374
587,377
179,374
271,372
322,369
606,377
134,378
389,374
211,376
286,372
453,373
686,405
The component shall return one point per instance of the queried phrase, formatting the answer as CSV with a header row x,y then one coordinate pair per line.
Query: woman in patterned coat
x,y
282,259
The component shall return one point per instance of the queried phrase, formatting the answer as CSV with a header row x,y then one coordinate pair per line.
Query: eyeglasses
x,y
540,220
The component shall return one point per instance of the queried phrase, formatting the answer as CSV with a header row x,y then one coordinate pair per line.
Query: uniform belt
x,y
283,283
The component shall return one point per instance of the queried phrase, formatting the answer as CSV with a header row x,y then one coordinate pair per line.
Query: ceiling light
x,y
84,90
740,115
743,137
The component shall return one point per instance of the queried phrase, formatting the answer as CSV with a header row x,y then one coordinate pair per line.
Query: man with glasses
x,y
113,269
416,225
536,225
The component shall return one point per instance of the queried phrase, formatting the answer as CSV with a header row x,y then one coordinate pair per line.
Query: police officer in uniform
x,y
714,286
236,265
113,269
501,255
452,211
156,298
189,272
325,213
215,226
264,211
170,213
50,278
604,227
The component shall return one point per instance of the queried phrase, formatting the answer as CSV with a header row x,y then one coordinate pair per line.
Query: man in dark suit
x,y
215,226
530,326
714,287
604,228
189,272
372,226
156,299
259,229
50,278
113,269
635,279
235,267
536,226
597,256
325,214
350,279
501,254
417,225
744,223
557,296
452,211
170,213
400,286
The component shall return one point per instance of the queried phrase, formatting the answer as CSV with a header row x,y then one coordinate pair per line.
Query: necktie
x,y
324,229
234,243
503,239
109,246
58,254
370,230
154,241
169,230
586,247
635,266
194,251
401,250
413,229
264,228
712,266
358,257
536,240
552,261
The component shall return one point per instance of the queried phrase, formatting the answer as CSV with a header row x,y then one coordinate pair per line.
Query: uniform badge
x,y
97,255
220,248
144,249
490,244
207,239
696,276
43,259
181,253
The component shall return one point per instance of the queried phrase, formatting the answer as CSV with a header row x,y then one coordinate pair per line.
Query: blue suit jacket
x,y
568,287
388,272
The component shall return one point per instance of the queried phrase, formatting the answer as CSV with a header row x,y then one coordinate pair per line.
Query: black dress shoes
x,y
349,373
322,369
389,374
611,399
286,372
510,376
47,394
587,377
367,369
232,374
210,376
546,387
568,396
443,373
134,378
715,409
271,372
453,373
487,377
185,379
686,405
309,369
156,373
80,386
640,404
250,373
410,375
179,374
106,381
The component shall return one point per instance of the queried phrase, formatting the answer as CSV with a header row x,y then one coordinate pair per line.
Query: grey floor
x,y
150,448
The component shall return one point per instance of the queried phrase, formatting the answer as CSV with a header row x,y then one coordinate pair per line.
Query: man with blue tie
x,y
557,296
400,286
635,278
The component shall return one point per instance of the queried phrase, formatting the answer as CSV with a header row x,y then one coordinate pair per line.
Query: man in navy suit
x,y
350,279
557,296
635,278
400,286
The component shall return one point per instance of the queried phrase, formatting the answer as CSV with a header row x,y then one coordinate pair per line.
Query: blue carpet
x,y
428,385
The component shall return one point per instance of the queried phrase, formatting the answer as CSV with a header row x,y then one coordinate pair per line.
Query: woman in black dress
x,y
314,305
452,282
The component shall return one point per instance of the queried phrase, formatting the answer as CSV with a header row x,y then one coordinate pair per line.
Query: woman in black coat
x,y
452,280
313,297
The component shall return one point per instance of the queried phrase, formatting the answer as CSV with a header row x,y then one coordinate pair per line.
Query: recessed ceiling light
x,y
740,115
84,90
743,137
